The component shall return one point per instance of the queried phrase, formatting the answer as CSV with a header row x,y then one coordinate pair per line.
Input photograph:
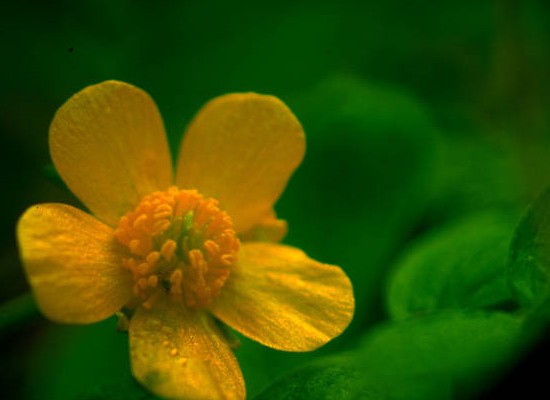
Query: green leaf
x,y
344,377
461,265
119,389
364,182
435,357
474,174
335,377
529,266
465,350
70,361
261,365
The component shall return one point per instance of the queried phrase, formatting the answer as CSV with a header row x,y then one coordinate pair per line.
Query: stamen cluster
x,y
178,242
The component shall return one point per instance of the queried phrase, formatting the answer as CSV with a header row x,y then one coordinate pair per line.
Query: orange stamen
x,y
178,242
168,249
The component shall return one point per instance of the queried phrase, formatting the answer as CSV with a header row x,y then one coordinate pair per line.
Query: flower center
x,y
178,242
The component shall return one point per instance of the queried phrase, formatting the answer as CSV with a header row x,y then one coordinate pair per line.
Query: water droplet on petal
x,y
182,361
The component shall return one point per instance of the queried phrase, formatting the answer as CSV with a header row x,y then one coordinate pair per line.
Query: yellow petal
x,y
269,229
279,297
109,146
72,264
179,353
241,149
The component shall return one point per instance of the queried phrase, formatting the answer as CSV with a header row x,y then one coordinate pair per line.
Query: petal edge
x,y
179,353
241,149
72,264
108,144
281,298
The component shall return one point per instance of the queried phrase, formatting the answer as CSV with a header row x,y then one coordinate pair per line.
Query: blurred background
x,y
428,137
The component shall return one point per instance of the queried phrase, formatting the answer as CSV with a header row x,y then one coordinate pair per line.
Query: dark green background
x,y
425,122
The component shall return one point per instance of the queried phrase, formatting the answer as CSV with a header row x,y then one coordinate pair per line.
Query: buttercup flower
x,y
175,253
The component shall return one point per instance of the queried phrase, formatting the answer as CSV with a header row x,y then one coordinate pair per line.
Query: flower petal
x,y
268,229
72,264
241,149
109,146
279,297
179,353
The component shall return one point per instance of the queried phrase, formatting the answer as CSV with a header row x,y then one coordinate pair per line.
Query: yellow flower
x,y
172,253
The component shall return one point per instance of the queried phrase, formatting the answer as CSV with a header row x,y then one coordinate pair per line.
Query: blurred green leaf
x,y
335,377
443,356
123,389
529,267
461,265
261,365
343,377
71,360
473,174
536,325
465,350
364,182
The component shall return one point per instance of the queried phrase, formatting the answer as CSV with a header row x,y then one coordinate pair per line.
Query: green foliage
x,y
71,361
364,182
335,377
443,356
462,349
123,389
473,174
529,267
461,265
